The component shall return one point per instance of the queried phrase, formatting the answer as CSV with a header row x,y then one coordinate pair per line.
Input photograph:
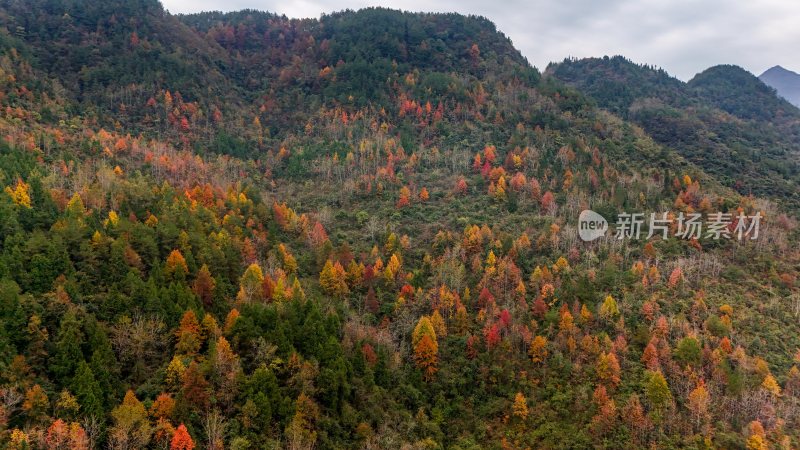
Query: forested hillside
x,y
724,119
242,231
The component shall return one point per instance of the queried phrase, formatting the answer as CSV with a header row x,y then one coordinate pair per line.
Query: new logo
x,y
591,225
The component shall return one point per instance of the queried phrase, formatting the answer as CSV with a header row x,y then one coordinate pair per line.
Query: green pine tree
x,y
87,390
68,352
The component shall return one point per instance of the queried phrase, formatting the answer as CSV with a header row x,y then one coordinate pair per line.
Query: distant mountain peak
x,y
778,69
785,81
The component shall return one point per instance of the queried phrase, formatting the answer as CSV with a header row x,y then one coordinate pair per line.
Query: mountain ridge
x,y
361,232
760,153
784,81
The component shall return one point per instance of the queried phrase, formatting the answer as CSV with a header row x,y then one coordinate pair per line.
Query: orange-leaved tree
x,y
181,440
426,347
333,279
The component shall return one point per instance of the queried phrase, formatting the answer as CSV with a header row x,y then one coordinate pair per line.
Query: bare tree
x,y
138,342
214,427
9,401
92,426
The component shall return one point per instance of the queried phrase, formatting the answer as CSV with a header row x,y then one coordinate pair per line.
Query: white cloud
x,y
682,36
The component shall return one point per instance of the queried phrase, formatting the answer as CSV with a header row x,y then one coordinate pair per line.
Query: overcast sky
x,y
682,36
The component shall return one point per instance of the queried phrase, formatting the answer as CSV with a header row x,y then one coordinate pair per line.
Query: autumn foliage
x,y
181,439
244,231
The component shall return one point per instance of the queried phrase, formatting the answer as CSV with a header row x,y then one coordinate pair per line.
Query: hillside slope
x,y
251,232
724,120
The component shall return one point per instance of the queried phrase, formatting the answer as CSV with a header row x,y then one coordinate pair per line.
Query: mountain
x,y
724,119
738,92
786,82
240,230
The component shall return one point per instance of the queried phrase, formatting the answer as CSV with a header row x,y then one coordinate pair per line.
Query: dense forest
x,y
724,119
243,231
